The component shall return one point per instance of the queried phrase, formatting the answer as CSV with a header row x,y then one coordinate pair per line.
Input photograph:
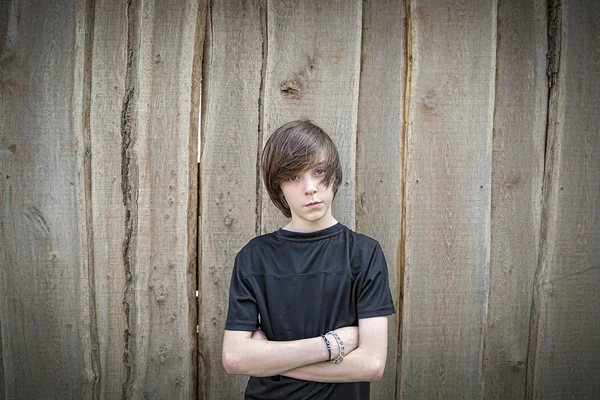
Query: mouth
x,y
313,204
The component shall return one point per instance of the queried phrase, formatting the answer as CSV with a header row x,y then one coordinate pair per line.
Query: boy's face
x,y
308,198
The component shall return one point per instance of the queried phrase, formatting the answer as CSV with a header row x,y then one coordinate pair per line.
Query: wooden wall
x,y
129,141
565,334
100,105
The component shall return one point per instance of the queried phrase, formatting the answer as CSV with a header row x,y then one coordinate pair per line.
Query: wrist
x,y
335,348
328,344
340,344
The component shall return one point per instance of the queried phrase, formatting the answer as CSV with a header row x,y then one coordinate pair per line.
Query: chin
x,y
315,217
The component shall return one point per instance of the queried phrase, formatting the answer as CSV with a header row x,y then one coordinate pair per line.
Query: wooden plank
x,y
569,366
109,63
312,71
379,149
2,386
565,334
47,325
159,188
517,162
448,198
230,119
3,27
4,9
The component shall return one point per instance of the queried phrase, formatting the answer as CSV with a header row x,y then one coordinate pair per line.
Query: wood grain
x,y
448,198
567,312
2,385
45,302
109,63
3,28
517,165
99,180
230,124
312,71
4,15
379,152
159,186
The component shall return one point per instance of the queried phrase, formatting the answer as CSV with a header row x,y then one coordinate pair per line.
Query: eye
x,y
294,178
320,172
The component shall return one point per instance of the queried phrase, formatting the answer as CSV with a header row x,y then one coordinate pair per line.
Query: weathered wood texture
x,y
440,123
448,198
517,173
379,152
3,30
159,182
2,388
109,64
45,302
312,71
567,327
230,121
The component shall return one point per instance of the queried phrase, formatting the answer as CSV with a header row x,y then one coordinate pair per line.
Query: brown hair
x,y
293,148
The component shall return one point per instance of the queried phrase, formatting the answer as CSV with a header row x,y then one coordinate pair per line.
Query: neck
x,y
298,225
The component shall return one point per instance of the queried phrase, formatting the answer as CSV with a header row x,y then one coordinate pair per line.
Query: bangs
x,y
307,155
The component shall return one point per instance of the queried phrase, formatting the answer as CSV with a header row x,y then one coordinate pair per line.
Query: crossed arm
x,y
247,353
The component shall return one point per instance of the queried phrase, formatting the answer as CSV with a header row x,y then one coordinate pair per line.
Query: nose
x,y
310,186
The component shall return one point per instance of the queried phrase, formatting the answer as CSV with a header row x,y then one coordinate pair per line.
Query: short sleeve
x,y
375,298
242,314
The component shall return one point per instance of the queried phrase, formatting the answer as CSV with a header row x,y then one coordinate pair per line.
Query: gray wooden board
x,y
3,27
568,347
109,62
312,71
448,198
45,302
2,388
4,7
160,181
230,120
569,367
517,165
379,151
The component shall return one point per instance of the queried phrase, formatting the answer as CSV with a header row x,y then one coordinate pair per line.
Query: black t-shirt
x,y
304,284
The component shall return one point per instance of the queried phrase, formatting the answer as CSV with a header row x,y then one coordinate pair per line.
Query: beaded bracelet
x,y
328,347
340,346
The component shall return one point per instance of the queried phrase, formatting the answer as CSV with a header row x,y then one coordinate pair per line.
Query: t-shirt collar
x,y
310,236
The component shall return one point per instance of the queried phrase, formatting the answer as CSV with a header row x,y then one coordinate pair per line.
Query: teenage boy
x,y
308,302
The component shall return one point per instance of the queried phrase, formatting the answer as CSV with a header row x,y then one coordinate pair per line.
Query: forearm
x,y
359,366
268,358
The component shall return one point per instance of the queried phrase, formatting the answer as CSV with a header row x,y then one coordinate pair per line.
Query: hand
x,y
349,335
258,335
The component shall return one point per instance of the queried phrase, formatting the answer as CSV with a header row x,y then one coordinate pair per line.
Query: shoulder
x,y
258,243
255,251
363,249
361,242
